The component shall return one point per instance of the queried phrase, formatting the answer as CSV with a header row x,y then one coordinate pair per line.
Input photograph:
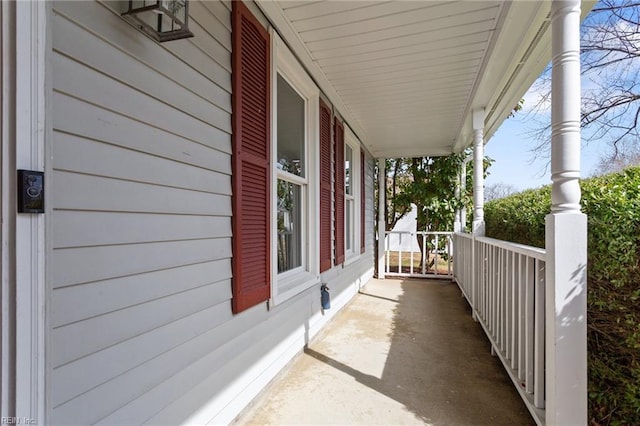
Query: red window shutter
x,y
362,201
250,160
339,190
325,187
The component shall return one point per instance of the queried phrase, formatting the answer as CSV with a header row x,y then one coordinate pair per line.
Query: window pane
x,y
291,128
348,223
348,163
289,226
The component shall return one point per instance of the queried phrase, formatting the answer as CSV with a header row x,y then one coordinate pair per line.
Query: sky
x,y
511,147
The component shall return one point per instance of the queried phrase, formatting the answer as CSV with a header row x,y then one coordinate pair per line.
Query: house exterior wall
x,y
139,213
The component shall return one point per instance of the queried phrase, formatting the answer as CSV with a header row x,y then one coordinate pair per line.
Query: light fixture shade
x,y
163,20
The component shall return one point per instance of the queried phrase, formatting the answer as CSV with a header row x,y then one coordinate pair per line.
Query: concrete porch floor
x,y
403,351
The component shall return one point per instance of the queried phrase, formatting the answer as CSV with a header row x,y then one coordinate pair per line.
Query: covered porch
x,y
403,351
437,78
154,264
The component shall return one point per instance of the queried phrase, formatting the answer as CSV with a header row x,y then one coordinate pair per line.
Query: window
x,y
294,156
291,176
349,199
353,195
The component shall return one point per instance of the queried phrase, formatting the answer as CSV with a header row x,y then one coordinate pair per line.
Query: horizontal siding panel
x,y
80,339
141,185
222,25
209,46
82,192
81,229
198,385
83,265
76,154
110,26
92,122
170,372
130,71
79,81
79,302
93,370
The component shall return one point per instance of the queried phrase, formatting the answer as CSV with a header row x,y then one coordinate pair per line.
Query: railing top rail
x,y
535,252
464,235
421,232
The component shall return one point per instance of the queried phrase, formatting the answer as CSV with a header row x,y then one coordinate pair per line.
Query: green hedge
x,y
612,203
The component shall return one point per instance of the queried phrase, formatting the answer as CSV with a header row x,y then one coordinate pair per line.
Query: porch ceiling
x,y
407,74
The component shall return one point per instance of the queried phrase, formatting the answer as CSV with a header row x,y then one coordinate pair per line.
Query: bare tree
x,y
623,155
610,58
498,190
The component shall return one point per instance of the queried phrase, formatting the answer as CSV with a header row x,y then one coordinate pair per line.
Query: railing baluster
x,y
508,302
388,252
538,388
435,257
515,259
508,306
530,285
425,256
522,279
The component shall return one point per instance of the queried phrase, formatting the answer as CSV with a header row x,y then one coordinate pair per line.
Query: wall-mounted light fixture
x,y
163,20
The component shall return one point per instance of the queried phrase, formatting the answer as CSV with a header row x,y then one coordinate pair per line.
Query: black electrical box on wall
x,y
30,191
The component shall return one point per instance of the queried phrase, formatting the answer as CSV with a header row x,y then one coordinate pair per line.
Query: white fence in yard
x,y
504,284
432,258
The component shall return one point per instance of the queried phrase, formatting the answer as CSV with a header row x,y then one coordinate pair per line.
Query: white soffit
x,y
403,73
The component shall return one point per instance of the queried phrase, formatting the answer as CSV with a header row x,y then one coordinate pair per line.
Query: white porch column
x,y
478,171
382,176
457,221
463,190
566,232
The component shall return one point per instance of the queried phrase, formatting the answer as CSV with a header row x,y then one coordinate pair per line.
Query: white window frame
x,y
351,140
289,283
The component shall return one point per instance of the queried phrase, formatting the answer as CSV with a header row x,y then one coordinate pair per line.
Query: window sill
x,y
352,258
291,285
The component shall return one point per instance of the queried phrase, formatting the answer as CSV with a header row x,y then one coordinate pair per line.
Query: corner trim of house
x,y
31,83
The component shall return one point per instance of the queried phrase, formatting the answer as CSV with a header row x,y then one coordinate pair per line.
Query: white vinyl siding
x,y
141,226
139,230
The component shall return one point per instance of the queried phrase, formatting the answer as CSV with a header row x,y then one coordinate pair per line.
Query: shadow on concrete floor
x,y
402,352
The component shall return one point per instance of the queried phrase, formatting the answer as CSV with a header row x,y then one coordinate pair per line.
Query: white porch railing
x,y
404,257
504,284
